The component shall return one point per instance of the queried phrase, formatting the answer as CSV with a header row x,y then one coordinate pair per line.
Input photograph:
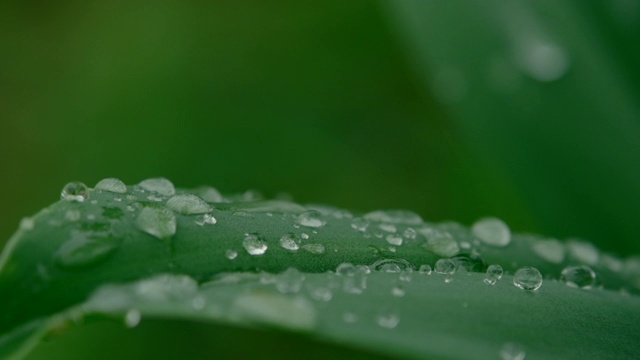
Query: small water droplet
x,y
311,218
254,244
203,219
304,236
188,204
390,228
290,281
425,269
410,233
469,263
512,351
160,185
493,274
27,224
394,239
551,250
132,318
397,291
349,317
388,320
314,248
209,194
445,266
492,231
321,293
360,224
160,223
112,185
231,254
578,276
289,241
75,191
527,278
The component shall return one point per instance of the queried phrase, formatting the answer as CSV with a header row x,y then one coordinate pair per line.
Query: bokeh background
x,y
525,110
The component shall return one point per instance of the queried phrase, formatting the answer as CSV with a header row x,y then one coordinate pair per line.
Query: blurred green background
x,y
525,110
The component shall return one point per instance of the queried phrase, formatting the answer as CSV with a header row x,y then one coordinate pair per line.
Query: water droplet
x,y
160,223
397,291
188,204
394,216
82,250
73,215
160,185
304,236
583,251
445,266
275,309
391,265
289,241
388,320
492,231
551,250
349,317
439,242
406,275
314,248
527,278
209,194
132,318
425,269
231,254
290,281
205,219
112,185
394,239
75,191
512,351
578,276
390,228
27,224
321,293
410,233
493,274
469,262
311,218
254,244
94,202
360,224
346,269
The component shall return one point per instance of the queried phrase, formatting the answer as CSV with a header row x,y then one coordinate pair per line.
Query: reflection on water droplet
x,y
231,254
188,204
112,185
160,223
160,185
493,274
512,351
254,244
388,320
359,224
289,241
75,191
132,318
551,250
492,231
311,218
578,276
527,278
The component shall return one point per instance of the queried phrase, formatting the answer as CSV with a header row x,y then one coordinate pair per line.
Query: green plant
x,y
150,252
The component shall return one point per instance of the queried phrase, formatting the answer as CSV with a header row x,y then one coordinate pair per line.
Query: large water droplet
x,y
360,224
493,274
579,276
440,242
551,250
527,278
75,191
445,267
188,204
583,251
388,320
394,216
492,231
82,250
289,241
425,269
160,223
254,244
469,262
160,185
112,185
311,218
512,351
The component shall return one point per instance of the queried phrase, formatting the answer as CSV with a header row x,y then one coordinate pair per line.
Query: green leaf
x,y
310,270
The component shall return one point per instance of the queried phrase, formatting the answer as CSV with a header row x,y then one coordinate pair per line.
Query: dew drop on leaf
x,y
112,185
390,228
160,185
551,250
425,269
289,241
527,278
311,218
394,239
316,249
254,244
512,351
360,224
492,231
205,219
132,318
445,267
578,276
231,254
75,191
160,223
188,204
388,320
493,274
